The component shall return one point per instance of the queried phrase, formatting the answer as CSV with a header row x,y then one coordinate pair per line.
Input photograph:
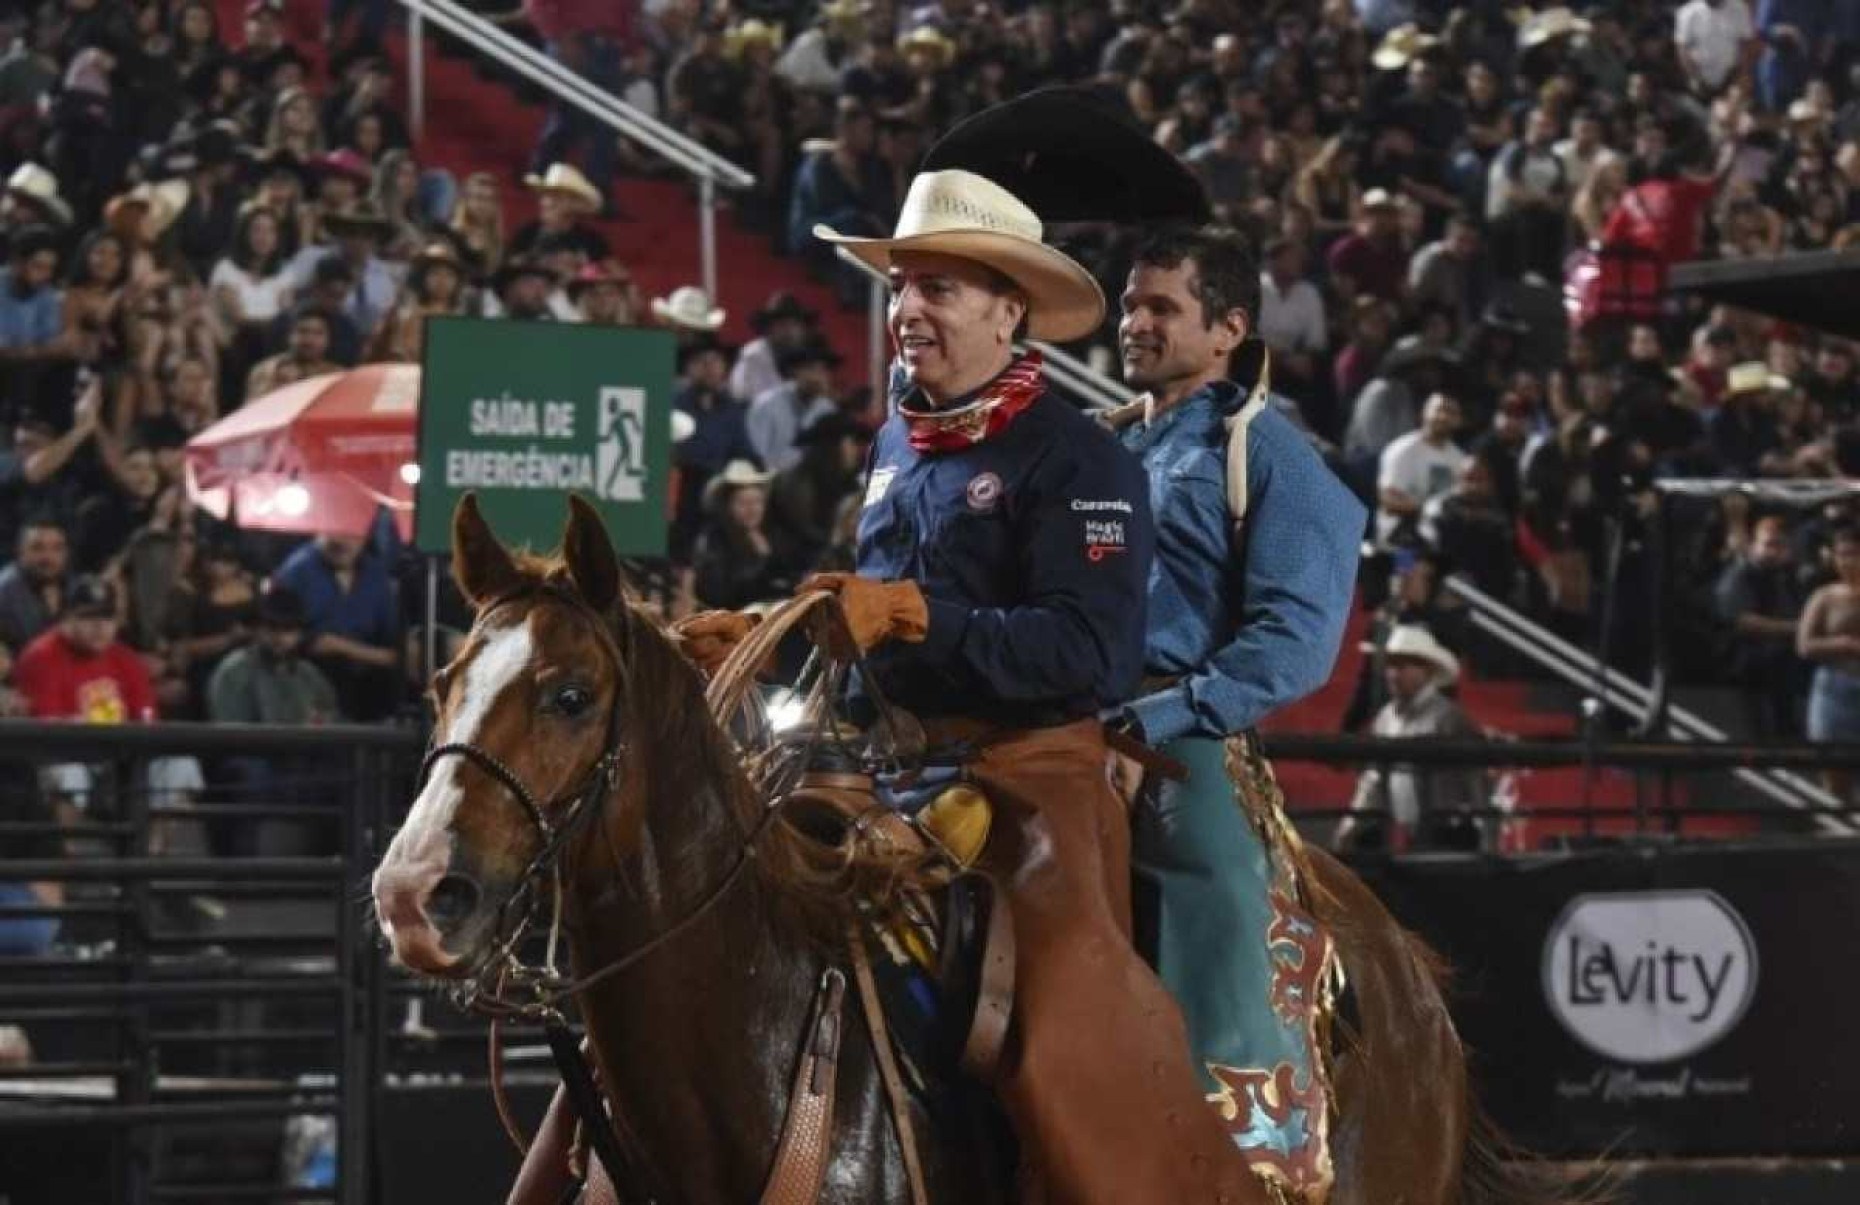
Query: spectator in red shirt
x,y
78,670
1371,261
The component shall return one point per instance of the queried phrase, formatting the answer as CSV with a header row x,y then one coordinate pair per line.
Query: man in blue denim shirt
x,y
1248,594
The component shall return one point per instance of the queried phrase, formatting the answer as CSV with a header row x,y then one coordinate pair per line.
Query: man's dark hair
x,y
42,521
1226,270
332,269
315,313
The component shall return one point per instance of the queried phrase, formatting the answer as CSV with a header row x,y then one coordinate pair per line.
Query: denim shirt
x,y
1245,622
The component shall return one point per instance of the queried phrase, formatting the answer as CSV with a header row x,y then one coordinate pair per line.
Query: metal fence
x,y
216,1020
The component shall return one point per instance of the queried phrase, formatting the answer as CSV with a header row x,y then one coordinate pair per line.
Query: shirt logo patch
x,y
1103,537
984,493
875,488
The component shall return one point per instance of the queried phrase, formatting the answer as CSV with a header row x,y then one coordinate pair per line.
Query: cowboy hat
x,y
735,475
688,307
808,351
606,272
1754,377
566,179
1379,198
930,40
160,204
698,344
1548,25
1414,642
1805,110
779,306
965,215
40,187
1401,46
517,267
363,218
842,15
753,32
1074,153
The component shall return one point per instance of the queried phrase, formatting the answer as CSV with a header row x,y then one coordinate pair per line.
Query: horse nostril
x,y
452,900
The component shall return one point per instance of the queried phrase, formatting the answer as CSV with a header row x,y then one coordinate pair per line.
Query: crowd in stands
x,y
1464,214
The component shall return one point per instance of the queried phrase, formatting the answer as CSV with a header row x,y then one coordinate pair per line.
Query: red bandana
x,y
1020,385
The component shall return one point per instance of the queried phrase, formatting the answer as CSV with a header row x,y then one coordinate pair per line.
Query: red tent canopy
x,y
320,456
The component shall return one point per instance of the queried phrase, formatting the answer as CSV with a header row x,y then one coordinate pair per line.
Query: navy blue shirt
x,y
1033,550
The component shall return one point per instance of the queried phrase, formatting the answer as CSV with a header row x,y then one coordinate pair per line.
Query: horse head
x,y
529,719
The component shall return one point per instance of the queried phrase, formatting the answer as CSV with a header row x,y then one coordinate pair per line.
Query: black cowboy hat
x,y
518,266
830,428
283,161
1410,353
1074,153
280,607
700,342
809,351
363,217
781,305
1501,317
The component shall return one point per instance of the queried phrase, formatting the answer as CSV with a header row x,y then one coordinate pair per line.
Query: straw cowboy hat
x,y
843,16
688,307
928,39
1549,25
567,180
736,474
1401,46
1414,642
1754,377
160,205
753,32
39,186
962,214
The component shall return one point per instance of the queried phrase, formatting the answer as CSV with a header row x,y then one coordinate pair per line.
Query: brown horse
x,y
571,727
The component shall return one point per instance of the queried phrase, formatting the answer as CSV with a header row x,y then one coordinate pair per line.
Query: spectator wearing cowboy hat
x,y
342,178
564,198
355,235
719,431
804,397
740,559
782,323
214,195
561,255
520,289
32,199
435,288
816,59
603,295
688,311
1398,807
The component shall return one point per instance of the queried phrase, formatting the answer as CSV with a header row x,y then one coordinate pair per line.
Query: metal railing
x,y
1637,699
702,164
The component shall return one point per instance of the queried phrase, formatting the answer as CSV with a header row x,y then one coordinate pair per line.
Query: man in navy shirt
x,y
352,630
1003,557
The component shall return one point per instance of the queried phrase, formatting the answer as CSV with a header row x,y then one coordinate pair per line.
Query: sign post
x,y
524,413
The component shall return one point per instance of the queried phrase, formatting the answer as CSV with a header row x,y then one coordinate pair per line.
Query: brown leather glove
x,y
709,637
876,611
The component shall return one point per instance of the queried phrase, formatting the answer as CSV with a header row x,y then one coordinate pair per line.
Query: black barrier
x,y
1678,1002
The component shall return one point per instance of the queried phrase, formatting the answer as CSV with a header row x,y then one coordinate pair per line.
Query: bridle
x,y
504,987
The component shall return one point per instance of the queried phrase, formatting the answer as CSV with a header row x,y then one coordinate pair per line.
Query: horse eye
x,y
571,701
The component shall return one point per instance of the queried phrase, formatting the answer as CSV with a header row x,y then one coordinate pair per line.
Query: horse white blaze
x,y
422,850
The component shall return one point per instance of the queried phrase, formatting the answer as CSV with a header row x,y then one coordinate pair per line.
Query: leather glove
x,y
708,638
876,611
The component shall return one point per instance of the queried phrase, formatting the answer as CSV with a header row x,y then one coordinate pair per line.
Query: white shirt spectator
x,y
774,420
1711,37
1578,166
807,63
1517,169
1292,319
756,372
261,298
1418,469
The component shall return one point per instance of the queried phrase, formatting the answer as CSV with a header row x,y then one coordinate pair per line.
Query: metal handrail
x,y
1580,669
699,162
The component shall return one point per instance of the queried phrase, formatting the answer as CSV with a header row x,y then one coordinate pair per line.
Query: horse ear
x,y
590,555
480,565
